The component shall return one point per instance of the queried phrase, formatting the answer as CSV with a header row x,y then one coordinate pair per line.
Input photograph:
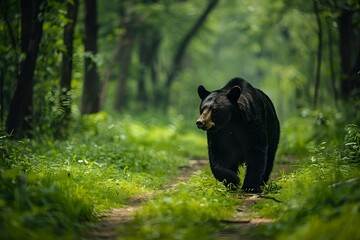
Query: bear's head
x,y
216,107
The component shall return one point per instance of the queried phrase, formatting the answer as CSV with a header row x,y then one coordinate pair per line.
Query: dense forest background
x,y
98,103
60,59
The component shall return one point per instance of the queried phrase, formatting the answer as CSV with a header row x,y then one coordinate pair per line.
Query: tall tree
x,y
349,36
319,53
126,47
150,39
1,98
91,88
67,60
180,52
32,19
331,57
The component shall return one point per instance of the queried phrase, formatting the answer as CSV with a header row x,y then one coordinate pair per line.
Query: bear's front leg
x,y
256,163
223,164
228,177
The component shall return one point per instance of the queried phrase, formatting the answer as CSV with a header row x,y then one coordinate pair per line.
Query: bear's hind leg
x,y
269,165
255,169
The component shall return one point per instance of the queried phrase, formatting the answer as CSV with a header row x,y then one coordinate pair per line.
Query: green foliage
x,y
321,198
51,187
39,207
187,211
352,144
300,134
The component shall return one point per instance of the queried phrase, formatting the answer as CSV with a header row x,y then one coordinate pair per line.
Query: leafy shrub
x,y
351,149
323,192
33,207
301,133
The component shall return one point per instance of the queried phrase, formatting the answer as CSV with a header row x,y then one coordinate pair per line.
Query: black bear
x,y
242,127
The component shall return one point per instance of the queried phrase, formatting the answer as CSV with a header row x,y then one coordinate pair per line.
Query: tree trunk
x,y
108,71
143,59
331,58
176,63
349,55
32,18
67,61
319,54
1,98
148,56
127,43
91,87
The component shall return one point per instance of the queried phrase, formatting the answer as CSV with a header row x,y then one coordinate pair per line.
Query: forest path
x,y
241,226
110,221
238,227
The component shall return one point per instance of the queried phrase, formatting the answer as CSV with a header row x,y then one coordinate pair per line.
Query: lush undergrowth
x,y
191,210
321,198
52,187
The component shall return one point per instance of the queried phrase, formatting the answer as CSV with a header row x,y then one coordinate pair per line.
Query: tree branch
x,y
185,42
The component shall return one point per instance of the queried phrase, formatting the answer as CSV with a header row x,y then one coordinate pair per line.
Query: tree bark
x,y
127,43
349,55
1,98
108,71
331,59
20,112
319,54
144,59
148,55
67,61
91,87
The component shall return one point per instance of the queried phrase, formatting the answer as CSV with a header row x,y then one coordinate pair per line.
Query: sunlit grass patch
x,y
67,182
189,210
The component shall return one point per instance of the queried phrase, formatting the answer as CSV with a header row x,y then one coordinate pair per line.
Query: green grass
x,y
52,187
321,198
190,210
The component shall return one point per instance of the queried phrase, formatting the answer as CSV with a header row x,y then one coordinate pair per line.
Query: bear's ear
x,y
203,93
234,94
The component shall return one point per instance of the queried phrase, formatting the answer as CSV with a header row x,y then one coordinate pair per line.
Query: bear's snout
x,y
200,124
204,122
204,125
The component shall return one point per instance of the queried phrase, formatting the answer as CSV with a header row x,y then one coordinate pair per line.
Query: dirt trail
x,y
238,227
242,225
110,221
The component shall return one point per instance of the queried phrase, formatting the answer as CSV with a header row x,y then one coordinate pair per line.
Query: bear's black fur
x,y
242,127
